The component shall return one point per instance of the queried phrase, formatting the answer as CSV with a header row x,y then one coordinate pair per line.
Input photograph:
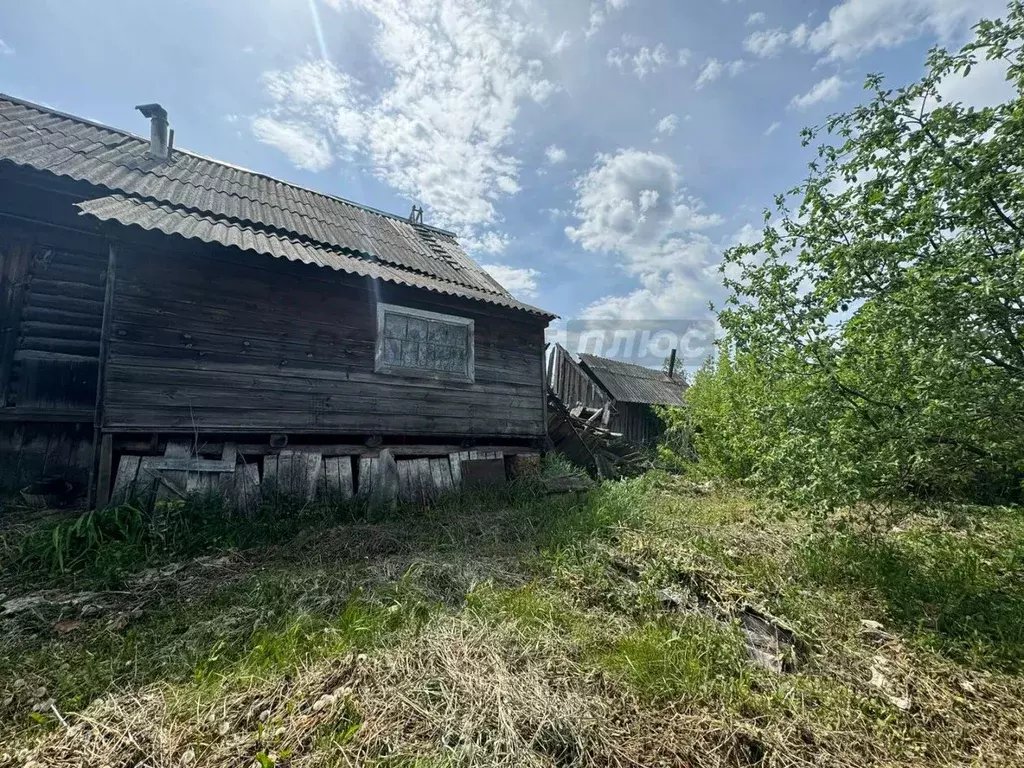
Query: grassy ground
x,y
517,629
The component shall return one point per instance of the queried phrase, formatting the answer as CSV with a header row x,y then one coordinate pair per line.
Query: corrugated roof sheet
x,y
171,220
630,383
250,202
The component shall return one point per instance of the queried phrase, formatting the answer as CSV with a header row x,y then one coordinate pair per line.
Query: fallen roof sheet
x,y
629,383
170,220
47,140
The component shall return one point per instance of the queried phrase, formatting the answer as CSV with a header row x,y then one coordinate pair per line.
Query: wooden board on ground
x,y
483,473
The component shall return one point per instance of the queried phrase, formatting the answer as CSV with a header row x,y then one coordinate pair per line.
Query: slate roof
x,y
211,201
629,383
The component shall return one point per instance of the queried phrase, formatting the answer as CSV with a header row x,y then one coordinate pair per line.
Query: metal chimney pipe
x,y
158,125
672,363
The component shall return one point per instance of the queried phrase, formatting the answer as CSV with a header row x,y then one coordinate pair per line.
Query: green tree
x,y
882,309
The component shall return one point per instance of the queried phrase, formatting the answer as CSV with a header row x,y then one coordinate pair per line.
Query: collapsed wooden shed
x,y
619,395
155,303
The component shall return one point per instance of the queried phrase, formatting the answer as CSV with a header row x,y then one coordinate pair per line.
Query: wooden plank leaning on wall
x,y
103,458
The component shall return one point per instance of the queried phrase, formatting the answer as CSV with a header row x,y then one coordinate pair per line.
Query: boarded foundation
x,y
303,475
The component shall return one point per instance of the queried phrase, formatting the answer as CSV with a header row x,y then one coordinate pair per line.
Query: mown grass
x,y
517,628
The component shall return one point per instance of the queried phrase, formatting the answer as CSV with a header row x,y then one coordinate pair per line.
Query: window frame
x,y
380,366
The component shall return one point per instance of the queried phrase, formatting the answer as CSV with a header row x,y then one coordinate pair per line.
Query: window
x,y
412,342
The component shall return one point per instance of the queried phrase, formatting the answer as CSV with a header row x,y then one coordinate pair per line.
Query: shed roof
x,y
208,200
629,383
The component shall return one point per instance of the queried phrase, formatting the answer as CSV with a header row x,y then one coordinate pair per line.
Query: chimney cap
x,y
152,111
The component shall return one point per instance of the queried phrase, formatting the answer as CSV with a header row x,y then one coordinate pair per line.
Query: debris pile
x,y
579,435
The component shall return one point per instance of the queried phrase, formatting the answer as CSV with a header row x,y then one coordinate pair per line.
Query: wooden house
x,y
159,305
624,393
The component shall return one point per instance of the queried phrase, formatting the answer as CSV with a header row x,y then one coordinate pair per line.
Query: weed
x,y
508,627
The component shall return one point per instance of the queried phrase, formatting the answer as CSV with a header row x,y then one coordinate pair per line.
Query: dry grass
x,y
521,631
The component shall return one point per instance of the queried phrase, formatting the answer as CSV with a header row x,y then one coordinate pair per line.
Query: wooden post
x,y
16,268
106,461
99,481
544,394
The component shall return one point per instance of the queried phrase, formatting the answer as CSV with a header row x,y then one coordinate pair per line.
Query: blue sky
x,y
596,155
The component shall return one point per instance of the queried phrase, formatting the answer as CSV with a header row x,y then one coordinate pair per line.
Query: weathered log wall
x,y
207,339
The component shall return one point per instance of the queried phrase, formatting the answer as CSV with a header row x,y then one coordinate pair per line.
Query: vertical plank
x,y
367,466
124,483
456,470
406,493
106,459
269,482
424,483
337,478
184,482
384,494
101,372
295,475
544,389
435,476
16,270
443,474
244,491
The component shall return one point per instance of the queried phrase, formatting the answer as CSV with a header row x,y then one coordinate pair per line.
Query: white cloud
x,y
632,200
564,41
772,128
555,155
824,90
986,86
632,205
5,49
714,69
766,42
599,13
756,18
304,146
644,60
680,289
439,129
856,27
519,282
667,125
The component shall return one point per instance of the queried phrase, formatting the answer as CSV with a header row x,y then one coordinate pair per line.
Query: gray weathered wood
x,y
337,478
384,488
102,463
406,490
105,460
423,480
367,468
244,492
441,470
191,464
299,359
124,482
292,474
456,470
